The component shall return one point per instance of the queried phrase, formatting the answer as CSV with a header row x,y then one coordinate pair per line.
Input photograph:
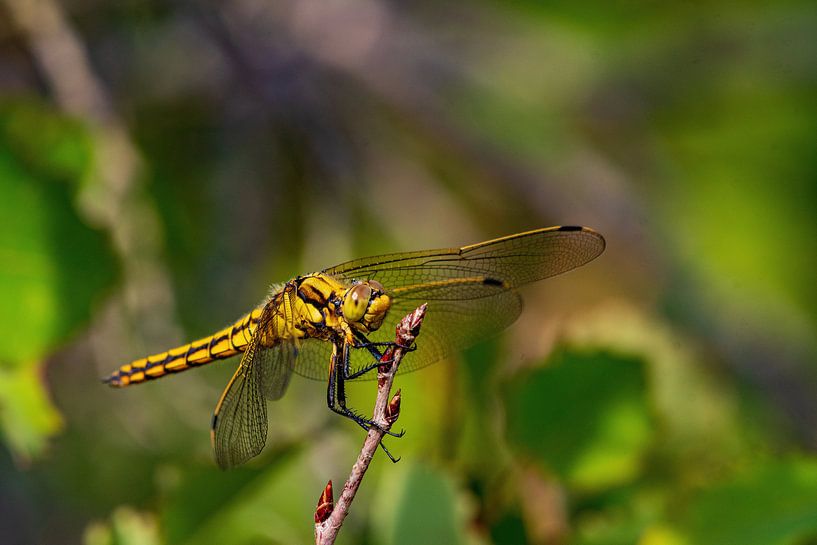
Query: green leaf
x,y
54,265
626,515
200,496
47,144
127,527
417,504
26,414
510,530
585,416
771,504
245,505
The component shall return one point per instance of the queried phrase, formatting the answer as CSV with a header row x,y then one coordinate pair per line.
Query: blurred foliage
x,y
589,445
771,503
663,395
127,527
54,264
46,245
403,517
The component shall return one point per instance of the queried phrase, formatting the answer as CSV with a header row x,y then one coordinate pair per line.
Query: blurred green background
x,y
163,163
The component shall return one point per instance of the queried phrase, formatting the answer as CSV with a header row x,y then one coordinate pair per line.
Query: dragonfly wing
x,y
277,365
449,326
239,428
470,291
513,260
313,359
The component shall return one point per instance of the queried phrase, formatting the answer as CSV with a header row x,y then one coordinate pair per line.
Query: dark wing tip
x,y
598,236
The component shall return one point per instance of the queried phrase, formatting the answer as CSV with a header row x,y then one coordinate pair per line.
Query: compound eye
x,y
356,301
377,286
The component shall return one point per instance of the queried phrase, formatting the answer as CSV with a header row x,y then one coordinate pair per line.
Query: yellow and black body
x,y
332,324
315,306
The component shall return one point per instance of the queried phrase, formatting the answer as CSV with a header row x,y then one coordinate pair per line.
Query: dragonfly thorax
x,y
325,306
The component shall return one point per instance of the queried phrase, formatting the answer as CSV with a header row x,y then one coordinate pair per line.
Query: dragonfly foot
x,y
389,454
368,424
364,422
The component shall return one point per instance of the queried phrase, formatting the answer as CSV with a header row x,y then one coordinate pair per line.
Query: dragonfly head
x,y
365,305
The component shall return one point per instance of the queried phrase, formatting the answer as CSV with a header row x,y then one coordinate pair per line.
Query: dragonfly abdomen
x,y
224,344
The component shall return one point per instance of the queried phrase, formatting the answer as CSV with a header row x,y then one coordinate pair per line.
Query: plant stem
x,y
329,518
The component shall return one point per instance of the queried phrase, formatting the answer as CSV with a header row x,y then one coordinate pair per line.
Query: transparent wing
x,y
313,360
448,327
513,260
469,290
239,428
276,366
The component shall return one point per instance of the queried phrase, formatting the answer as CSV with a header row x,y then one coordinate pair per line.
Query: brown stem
x,y
329,520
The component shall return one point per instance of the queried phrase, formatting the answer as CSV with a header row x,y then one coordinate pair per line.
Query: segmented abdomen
x,y
224,344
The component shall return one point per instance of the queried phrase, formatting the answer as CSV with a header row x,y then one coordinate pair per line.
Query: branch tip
x,y
409,327
328,516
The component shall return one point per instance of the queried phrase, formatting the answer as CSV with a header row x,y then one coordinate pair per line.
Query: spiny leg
x,y
341,378
372,347
336,393
336,386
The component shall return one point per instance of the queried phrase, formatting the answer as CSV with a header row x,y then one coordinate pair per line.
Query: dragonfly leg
x,y
374,365
389,454
371,344
336,395
365,423
363,342
406,347
373,348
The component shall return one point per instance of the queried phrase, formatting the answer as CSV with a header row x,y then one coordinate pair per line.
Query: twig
x,y
329,517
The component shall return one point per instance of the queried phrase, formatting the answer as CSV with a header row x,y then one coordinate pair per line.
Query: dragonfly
x,y
331,325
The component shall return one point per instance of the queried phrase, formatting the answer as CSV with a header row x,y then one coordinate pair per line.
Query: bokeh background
x,y
163,163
